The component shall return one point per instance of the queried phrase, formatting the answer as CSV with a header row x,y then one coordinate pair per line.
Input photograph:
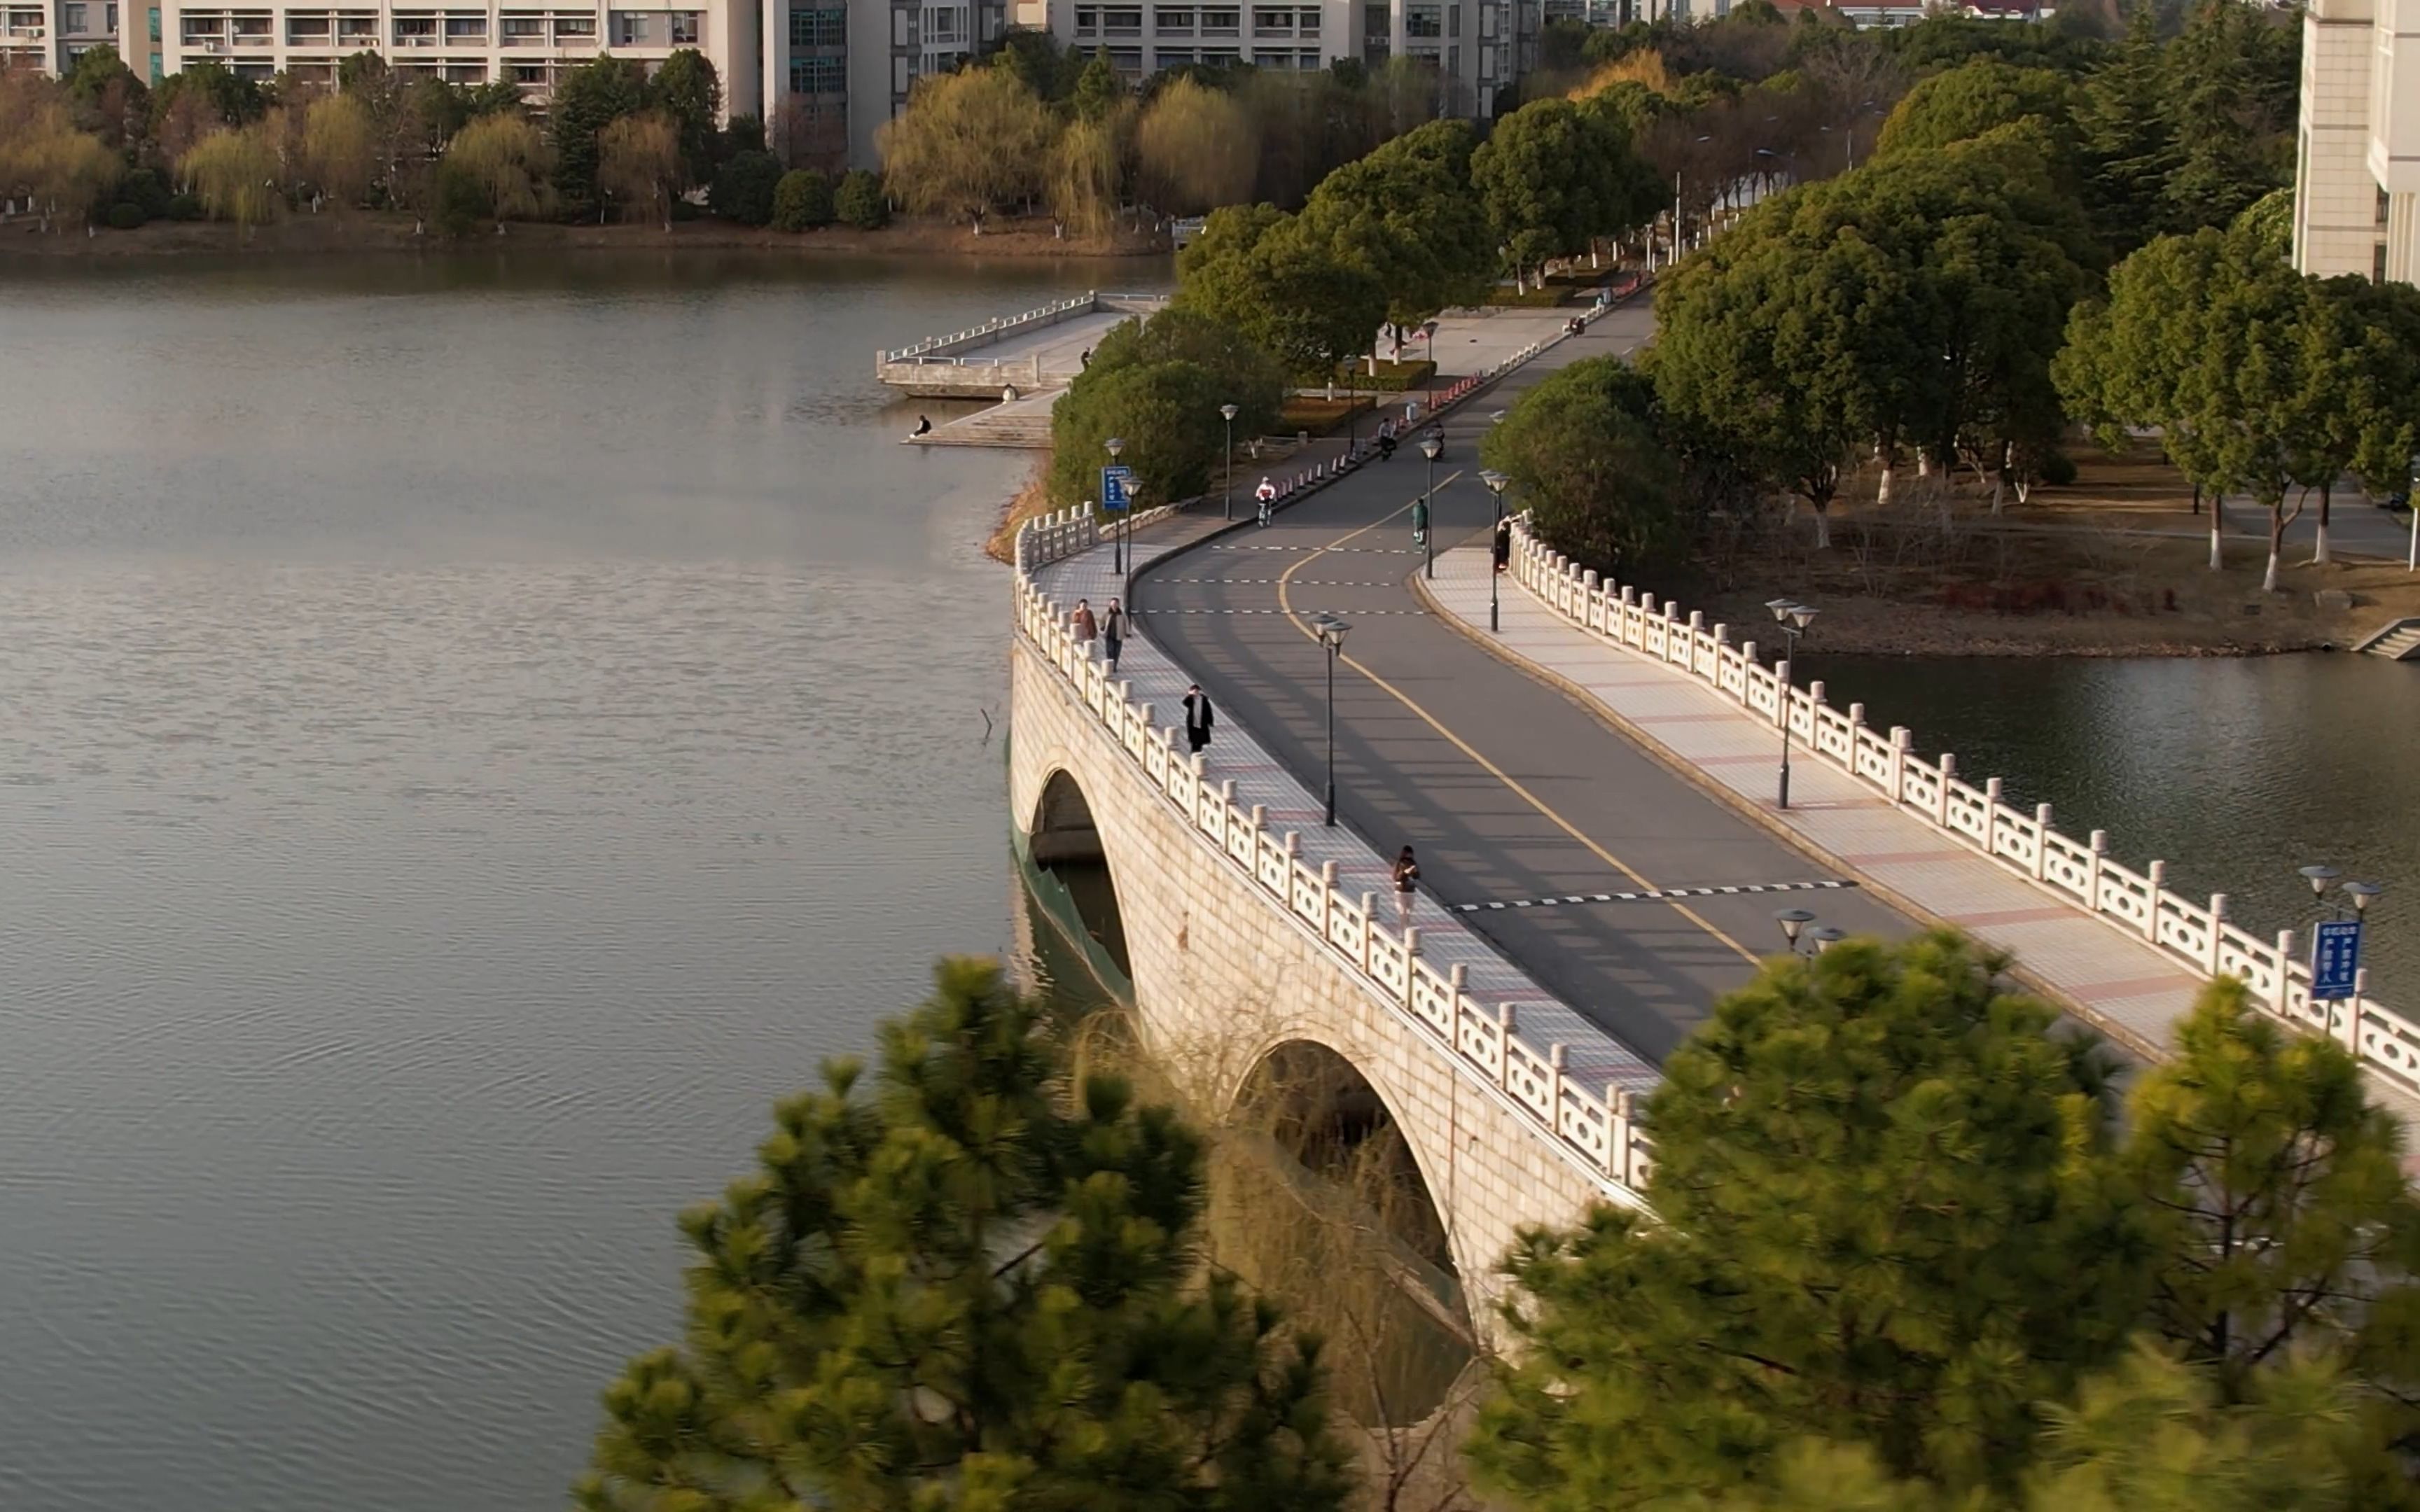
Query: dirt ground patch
x,y
2114,564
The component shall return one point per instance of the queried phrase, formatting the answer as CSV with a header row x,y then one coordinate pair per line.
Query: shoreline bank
x,y
344,233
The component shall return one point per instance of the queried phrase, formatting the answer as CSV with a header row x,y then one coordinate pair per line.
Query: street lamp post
x,y
1793,619
1116,447
1331,635
1432,445
1496,482
1793,922
1227,507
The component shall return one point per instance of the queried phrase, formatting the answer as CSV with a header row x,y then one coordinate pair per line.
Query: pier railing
x,y
2197,935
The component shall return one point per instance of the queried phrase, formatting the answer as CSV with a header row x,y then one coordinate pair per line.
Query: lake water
x,y
476,732
473,732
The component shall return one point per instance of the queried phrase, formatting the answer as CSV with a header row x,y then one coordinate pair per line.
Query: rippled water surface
x,y
471,735
2236,772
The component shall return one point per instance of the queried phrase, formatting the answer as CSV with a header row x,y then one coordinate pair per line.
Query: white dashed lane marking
x,y
1656,896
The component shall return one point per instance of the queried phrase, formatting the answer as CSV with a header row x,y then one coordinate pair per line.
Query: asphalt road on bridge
x,y
1511,791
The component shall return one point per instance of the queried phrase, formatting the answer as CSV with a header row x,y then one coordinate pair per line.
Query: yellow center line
x,y
1285,603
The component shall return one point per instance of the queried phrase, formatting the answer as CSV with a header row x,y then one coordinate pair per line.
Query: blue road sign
x,y
1113,488
2335,957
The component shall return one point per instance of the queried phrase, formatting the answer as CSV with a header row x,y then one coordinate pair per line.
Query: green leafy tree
x,y
1883,1219
1583,454
1979,97
504,162
1198,148
803,201
1406,215
1257,269
968,1286
2288,1229
689,90
967,143
1099,90
860,200
1552,177
2229,151
235,174
1158,385
587,100
639,165
744,189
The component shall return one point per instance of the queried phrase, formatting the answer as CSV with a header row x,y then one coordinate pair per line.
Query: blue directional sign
x,y
2335,957
1114,482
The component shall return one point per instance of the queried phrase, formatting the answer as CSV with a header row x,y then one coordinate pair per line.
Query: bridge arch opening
x,y
1074,885
1316,1198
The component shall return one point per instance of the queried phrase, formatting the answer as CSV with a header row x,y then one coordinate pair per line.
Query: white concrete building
x,y
1479,46
825,74
2358,166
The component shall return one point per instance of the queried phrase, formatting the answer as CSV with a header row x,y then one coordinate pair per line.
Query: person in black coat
x,y
1196,717
1501,548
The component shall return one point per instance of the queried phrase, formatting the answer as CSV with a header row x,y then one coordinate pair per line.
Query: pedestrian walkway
x,y
2115,979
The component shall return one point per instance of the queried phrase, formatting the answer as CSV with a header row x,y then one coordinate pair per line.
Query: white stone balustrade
x,y
2196,934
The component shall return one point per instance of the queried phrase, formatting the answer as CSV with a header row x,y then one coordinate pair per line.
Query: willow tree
x,y
963,1282
234,175
1197,148
339,148
1088,173
43,155
639,163
967,143
507,159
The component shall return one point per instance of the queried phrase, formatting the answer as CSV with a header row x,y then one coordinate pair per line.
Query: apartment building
x,y
1477,46
2358,166
825,74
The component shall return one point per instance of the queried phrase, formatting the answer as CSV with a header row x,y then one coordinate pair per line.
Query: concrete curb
x,y
1697,777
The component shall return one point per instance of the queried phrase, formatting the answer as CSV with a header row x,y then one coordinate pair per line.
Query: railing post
x,y
1411,954
1616,1124
2352,1010
2279,998
1507,1016
2041,840
1900,737
2092,871
1555,1054
2156,876
2217,924
1990,815
1940,800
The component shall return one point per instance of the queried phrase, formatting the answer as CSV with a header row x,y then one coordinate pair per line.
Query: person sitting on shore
x,y
923,425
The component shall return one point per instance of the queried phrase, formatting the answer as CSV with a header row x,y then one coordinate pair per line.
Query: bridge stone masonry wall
x,y
2196,935
1236,942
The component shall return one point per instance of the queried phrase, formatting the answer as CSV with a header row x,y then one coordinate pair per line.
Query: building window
x,y
685,28
1309,24
1454,20
466,73
819,28
818,75
530,75
1176,19
1117,22
1221,22
1127,59
112,23
308,31
2378,263
72,19
1272,58
523,30
1171,57
465,29
1272,23
415,31
1422,21
630,28
1088,20
1220,57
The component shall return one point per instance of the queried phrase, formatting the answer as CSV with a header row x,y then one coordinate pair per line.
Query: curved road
x,y
1510,791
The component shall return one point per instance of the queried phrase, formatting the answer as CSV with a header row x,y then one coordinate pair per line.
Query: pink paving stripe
x,y
1903,858
1765,756
2012,915
1683,718
2103,992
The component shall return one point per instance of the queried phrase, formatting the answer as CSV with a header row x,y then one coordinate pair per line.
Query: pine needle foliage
x,y
963,1284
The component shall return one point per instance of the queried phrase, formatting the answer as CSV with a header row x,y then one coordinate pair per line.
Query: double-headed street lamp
x,y
1793,619
1227,412
2358,894
1496,482
1331,635
1431,447
1793,922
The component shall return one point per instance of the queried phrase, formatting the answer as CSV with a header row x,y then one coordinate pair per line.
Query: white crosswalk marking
x,y
1656,896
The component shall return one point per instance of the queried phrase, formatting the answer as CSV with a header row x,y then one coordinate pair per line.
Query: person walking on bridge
x,y
1196,717
1408,881
1113,634
1082,623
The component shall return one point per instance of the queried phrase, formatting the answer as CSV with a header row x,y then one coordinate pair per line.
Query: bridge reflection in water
x,y
1314,1198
